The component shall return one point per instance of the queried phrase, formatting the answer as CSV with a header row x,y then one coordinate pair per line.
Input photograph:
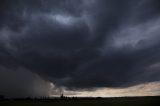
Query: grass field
x,y
85,102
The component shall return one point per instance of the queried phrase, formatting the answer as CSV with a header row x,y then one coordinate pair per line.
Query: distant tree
x,y
28,98
1,97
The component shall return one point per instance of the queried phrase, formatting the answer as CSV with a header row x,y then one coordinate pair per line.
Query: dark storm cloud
x,y
82,43
22,83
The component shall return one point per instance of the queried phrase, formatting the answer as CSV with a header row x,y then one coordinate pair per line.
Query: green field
x,y
95,102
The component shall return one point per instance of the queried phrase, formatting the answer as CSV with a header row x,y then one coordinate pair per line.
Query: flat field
x,y
149,101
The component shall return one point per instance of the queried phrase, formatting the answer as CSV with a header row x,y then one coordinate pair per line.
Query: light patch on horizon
x,y
148,89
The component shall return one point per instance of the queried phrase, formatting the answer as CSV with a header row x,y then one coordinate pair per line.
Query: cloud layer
x,y
79,43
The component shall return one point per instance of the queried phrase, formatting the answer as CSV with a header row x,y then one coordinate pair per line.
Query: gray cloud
x,y
21,82
81,44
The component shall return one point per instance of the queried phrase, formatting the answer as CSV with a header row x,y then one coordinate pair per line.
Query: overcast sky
x,y
78,45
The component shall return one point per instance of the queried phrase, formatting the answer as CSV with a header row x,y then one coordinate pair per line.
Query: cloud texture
x,y
79,43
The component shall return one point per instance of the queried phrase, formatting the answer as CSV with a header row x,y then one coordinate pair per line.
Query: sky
x,y
94,48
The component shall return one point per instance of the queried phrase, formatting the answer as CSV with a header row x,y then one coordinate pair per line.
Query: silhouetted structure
x,y
62,96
